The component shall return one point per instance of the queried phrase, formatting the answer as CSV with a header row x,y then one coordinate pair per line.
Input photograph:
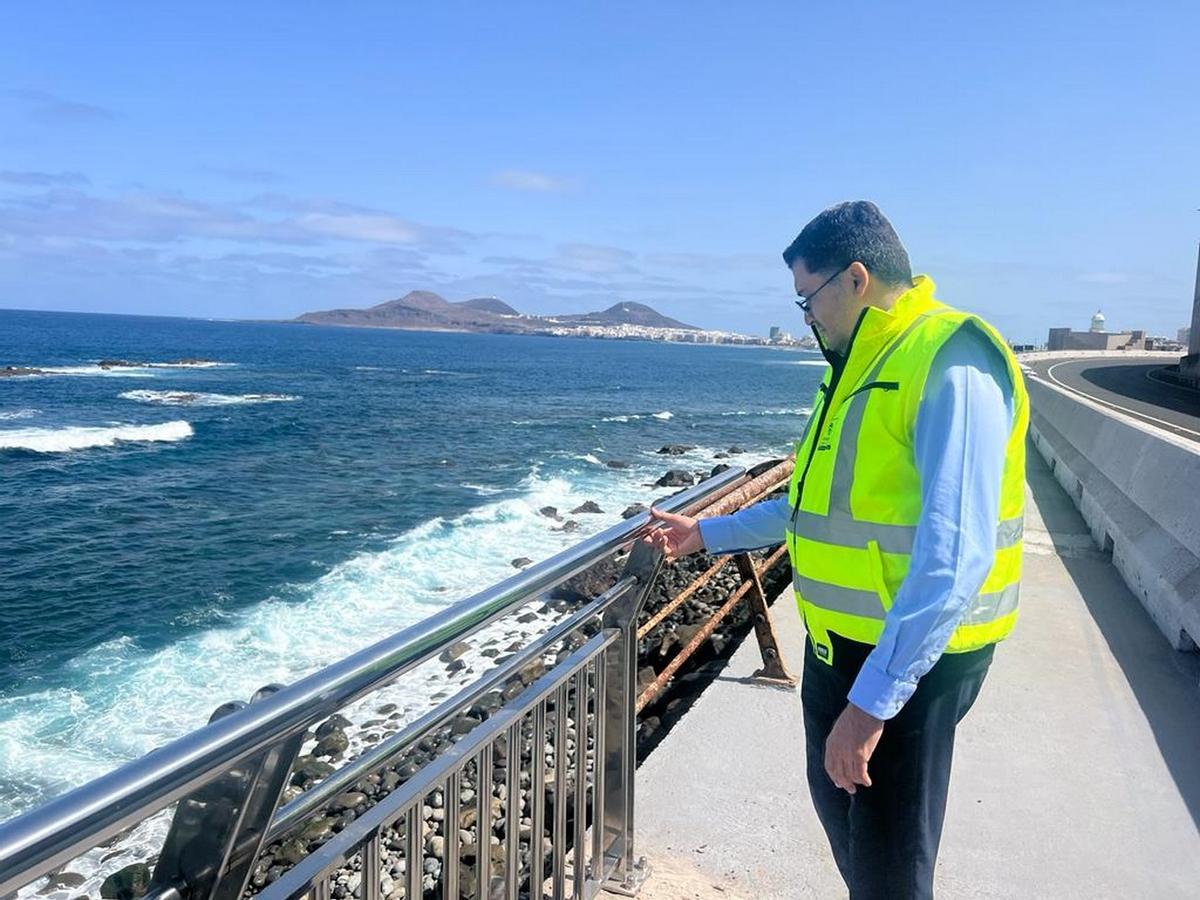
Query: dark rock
x,y
718,469
521,562
532,672
525,618
755,471
588,506
675,478
721,455
127,883
634,510
349,800
292,851
675,449
454,651
17,371
332,744
617,464
735,450
551,512
569,526
309,769
335,722
316,830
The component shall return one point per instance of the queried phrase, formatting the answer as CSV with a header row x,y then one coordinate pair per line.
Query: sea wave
x,y
196,398
10,415
664,416
96,371
798,411
64,440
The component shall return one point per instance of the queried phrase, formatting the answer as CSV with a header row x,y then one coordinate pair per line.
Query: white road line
x,y
1129,412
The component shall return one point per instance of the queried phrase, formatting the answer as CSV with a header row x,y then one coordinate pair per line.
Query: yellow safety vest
x,y
856,491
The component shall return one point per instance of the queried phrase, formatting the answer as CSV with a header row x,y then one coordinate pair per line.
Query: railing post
x,y
618,871
197,856
773,669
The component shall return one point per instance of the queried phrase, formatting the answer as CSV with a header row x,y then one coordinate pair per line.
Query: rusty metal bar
x,y
683,596
750,491
773,668
655,688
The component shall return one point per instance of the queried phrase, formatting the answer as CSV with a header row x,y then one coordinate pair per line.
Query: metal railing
x,y
229,777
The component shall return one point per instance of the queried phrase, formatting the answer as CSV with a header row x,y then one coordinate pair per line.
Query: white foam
x,y
197,398
97,371
19,414
63,440
631,417
798,411
588,458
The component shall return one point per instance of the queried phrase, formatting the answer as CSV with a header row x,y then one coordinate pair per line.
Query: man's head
x,y
847,258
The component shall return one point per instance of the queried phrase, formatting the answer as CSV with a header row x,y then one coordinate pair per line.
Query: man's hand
x,y
677,536
849,747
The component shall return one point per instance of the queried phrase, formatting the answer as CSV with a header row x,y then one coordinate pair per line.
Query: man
x,y
903,523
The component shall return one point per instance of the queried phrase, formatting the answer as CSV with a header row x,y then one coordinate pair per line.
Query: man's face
x,y
833,310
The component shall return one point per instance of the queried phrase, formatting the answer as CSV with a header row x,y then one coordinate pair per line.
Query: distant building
x,y
1184,336
1095,338
775,332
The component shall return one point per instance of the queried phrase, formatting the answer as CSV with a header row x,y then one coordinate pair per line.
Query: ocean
x,y
176,535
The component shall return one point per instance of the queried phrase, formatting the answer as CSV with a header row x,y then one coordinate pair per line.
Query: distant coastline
x,y
427,311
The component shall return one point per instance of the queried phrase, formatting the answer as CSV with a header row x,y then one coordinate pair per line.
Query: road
x,y
1128,385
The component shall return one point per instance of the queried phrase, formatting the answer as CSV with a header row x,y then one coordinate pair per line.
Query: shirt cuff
x,y
876,692
717,533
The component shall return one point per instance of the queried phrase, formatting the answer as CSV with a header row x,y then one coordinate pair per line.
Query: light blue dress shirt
x,y
963,425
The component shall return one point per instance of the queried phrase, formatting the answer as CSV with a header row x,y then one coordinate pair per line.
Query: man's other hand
x,y
849,747
676,535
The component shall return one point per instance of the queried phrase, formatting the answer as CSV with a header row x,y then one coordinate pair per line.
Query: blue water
x,y
175,537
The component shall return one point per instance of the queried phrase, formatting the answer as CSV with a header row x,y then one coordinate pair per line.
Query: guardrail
x,y
561,746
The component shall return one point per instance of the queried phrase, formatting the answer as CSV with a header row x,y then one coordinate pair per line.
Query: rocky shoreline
x,y
345,736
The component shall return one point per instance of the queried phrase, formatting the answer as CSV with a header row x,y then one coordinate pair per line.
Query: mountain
x,y
489,304
427,311
627,314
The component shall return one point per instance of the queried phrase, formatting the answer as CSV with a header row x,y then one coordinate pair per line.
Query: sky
x,y
1040,161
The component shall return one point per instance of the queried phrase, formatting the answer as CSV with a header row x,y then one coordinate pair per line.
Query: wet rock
x,y
675,449
569,526
721,455
551,512
332,744
454,651
735,450
17,371
521,562
617,464
127,883
675,478
316,830
309,769
349,800
532,672
633,510
718,469
333,723
291,852
588,506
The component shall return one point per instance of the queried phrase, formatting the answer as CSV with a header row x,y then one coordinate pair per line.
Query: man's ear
x,y
860,278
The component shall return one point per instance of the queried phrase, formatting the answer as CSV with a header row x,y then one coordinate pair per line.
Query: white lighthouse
x,y
1098,322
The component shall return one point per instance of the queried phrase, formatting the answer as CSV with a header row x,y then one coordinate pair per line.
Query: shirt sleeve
x,y
761,525
962,430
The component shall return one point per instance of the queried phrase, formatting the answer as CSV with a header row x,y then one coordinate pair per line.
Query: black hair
x,y
855,231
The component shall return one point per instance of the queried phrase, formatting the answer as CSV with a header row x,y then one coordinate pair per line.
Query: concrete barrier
x,y
1137,488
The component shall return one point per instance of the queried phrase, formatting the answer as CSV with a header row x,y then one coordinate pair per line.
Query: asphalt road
x,y
1128,386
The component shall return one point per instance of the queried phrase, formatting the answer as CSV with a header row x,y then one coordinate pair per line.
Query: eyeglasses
x,y
805,302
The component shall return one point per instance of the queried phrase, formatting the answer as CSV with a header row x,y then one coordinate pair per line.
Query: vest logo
x,y
822,652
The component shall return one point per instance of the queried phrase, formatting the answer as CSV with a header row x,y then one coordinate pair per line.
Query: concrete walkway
x,y
1077,773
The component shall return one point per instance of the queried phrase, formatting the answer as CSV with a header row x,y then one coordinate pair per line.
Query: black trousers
x,y
885,838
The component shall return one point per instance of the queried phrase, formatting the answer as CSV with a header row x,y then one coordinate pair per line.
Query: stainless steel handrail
x,y
35,843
